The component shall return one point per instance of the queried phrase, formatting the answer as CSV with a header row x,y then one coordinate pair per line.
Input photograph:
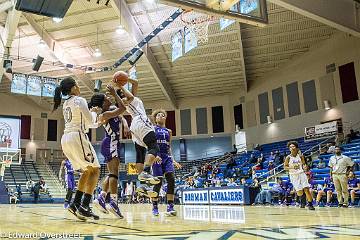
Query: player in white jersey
x,y
143,134
76,145
294,163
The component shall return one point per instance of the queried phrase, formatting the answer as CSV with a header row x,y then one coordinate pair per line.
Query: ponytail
x,y
65,89
57,97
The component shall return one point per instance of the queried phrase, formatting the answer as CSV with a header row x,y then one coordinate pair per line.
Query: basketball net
x,y
198,24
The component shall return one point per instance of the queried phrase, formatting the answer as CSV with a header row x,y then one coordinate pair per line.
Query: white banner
x,y
227,196
195,197
321,131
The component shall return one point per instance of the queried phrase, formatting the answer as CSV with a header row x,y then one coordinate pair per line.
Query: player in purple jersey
x,y
354,187
69,180
110,147
164,164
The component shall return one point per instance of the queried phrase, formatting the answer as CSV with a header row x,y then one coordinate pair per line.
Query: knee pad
x,y
170,178
113,176
157,187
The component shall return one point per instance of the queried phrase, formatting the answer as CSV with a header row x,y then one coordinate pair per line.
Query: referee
x,y
340,165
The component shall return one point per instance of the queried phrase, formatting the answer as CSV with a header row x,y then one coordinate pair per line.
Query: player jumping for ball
x,y
110,148
143,134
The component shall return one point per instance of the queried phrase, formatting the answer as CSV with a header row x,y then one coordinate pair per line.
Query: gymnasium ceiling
x,y
228,63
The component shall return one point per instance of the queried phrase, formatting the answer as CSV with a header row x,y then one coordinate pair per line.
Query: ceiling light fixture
x,y
120,30
57,20
97,53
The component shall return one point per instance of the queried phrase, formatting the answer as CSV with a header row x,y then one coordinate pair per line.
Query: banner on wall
x,y
320,131
220,195
227,196
9,132
131,170
240,141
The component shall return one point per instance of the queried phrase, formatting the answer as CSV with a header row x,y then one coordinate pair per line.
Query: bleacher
x,y
18,175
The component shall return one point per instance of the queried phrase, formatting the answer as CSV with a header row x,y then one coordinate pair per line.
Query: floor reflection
x,y
220,214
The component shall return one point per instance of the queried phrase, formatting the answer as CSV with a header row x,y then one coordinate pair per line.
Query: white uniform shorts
x,y
299,181
139,129
78,149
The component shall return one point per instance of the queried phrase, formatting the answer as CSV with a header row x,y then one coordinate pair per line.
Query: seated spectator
x,y
271,157
352,135
257,147
309,161
30,185
43,186
288,191
231,183
331,147
323,149
231,163
277,158
354,187
265,196
252,159
327,189
271,167
321,163
13,197
258,165
18,190
243,182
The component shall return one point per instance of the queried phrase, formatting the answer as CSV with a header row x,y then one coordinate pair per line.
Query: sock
x,y
170,202
107,198
303,199
114,197
77,198
147,169
310,203
86,200
155,204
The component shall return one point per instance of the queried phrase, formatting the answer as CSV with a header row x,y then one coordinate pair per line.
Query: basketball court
x,y
192,222
227,72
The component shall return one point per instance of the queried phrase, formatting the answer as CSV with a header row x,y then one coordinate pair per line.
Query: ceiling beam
x,y
135,32
7,36
242,62
58,52
339,14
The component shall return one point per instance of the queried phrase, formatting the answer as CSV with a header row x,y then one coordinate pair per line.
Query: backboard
x,y
253,12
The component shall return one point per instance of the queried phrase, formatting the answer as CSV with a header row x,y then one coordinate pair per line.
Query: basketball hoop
x,y
197,23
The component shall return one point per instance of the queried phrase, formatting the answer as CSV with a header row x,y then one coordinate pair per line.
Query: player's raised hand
x,y
158,160
177,165
111,90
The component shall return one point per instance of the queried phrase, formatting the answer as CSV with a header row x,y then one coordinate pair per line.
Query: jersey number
x,y
67,115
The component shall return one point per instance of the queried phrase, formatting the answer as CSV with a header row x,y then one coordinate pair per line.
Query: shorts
x,y
139,129
110,148
299,181
166,165
78,149
70,181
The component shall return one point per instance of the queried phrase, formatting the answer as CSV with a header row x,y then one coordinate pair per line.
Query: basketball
x,y
120,77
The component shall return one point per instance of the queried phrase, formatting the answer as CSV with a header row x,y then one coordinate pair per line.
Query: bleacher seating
x,y
19,175
351,150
